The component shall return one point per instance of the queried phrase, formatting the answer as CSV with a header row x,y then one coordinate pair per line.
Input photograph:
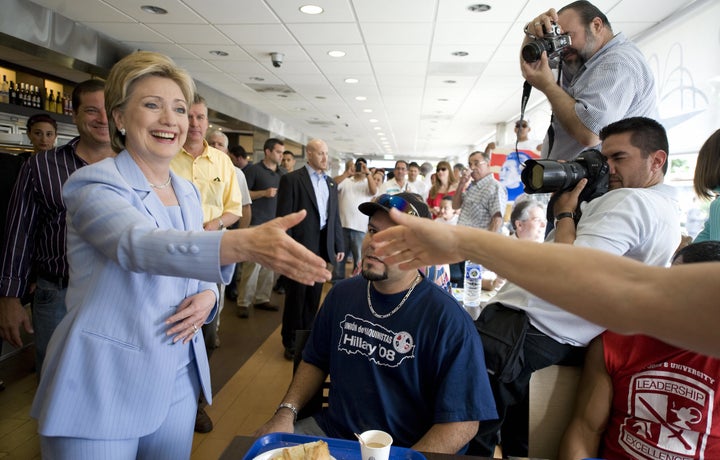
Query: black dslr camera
x,y
553,42
545,176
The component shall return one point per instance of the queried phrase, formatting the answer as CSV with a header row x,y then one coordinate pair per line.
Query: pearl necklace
x,y
402,302
161,186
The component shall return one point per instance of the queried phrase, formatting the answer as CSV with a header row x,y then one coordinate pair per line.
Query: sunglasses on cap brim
x,y
397,202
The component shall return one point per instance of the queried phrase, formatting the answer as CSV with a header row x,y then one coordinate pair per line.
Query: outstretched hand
x,y
270,246
416,242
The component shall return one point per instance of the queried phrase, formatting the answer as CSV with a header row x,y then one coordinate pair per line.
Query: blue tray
x,y
341,449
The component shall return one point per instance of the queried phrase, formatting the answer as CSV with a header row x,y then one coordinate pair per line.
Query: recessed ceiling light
x,y
282,95
377,128
450,82
219,53
320,97
479,8
336,53
351,80
257,79
311,9
460,53
442,99
153,9
373,120
360,98
367,110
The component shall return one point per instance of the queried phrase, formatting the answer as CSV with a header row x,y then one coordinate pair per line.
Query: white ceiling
x,y
398,50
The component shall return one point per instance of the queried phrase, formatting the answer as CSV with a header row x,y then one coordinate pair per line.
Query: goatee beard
x,y
370,276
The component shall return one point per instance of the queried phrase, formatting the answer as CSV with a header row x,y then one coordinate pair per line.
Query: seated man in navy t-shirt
x,y
402,355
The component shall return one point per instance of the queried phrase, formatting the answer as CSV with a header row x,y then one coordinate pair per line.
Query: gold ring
x,y
195,328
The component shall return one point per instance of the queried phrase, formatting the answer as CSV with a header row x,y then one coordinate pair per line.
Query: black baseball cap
x,y
409,203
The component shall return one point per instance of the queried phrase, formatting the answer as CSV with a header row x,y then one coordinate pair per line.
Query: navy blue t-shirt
x,y
402,374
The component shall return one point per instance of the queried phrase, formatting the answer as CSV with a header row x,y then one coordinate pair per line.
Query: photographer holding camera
x,y
354,186
603,77
634,218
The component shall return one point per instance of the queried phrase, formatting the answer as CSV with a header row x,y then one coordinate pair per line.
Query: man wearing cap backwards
x,y
402,355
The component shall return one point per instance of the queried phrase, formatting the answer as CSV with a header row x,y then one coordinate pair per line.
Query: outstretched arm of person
x,y
592,408
270,246
609,290
306,382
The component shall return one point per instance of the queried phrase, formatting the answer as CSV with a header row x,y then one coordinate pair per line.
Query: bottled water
x,y
473,284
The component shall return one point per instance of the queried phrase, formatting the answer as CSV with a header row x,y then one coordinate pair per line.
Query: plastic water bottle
x,y
473,284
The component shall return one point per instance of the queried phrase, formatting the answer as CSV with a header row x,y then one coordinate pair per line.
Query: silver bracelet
x,y
286,405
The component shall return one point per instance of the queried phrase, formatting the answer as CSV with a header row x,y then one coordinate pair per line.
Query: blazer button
x,y
171,248
194,249
183,249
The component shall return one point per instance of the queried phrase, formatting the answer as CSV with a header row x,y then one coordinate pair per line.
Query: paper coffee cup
x,y
376,445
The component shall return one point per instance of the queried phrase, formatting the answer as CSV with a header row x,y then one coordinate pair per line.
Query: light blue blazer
x,y
110,368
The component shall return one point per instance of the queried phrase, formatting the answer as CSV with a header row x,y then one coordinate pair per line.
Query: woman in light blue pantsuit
x,y
125,367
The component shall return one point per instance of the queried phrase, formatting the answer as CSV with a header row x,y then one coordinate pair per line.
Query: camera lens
x,y
544,176
533,50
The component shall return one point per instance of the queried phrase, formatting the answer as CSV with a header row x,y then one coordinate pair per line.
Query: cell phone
x,y
358,167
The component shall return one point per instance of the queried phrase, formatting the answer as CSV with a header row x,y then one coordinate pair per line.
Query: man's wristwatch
x,y
563,215
221,224
292,408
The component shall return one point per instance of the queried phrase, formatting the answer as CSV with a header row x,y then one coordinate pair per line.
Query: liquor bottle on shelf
x,y
58,103
28,95
68,106
37,99
51,104
13,93
21,94
5,90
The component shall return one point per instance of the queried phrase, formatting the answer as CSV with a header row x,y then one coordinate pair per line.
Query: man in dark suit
x,y
311,189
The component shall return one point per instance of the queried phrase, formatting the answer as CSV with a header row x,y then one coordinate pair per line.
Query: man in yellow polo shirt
x,y
213,174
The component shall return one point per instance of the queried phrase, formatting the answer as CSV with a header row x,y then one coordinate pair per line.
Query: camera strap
x,y
551,130
527,87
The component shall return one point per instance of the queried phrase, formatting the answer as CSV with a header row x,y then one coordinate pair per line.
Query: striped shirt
x,y
615,83
35,229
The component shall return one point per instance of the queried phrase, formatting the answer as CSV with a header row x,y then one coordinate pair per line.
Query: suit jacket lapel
x,y
307,184
136,179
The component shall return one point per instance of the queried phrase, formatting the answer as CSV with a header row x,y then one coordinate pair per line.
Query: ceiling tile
x,y
192,34
333,11
232,12
257,34
178,13
126,32
382,33
337,33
